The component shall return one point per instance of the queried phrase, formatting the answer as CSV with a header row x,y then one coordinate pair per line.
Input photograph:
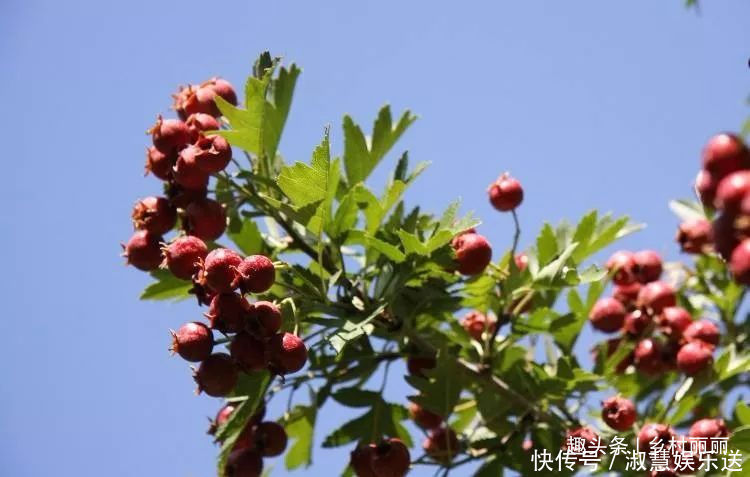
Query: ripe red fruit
x,y
705,188
154,214
674,320
619,413
244,462
417,364
256,274
694,357
702,330
694,236
656,296
198,123
622,267
708,428
636,322
210,154
725,234
169,135
648,266
221,418
725,153
192,341
391,459
188,174
270,438
206,219
160,164
143,250
361,461
647,357
739,263
654,433
522,261
732,190
220,269
441,444
473,253
216,375
626,294
181,101
505,193
475,324
424,418
264,319
202,97
607,315
183,256
228,312
590,438
249,352
288,353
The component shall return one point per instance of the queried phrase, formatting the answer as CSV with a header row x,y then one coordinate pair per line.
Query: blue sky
x,y
589,104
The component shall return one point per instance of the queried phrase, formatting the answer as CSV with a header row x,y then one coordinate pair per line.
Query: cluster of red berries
x,y
724,185
645,309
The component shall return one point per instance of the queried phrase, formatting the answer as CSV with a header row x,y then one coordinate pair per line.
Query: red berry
x,y
705,188
256,274
505,193
648,266
473,253
361,461
265,318
417,364
674,320
169,135
391,459
154,214
249,352
725,235
476,323
220,269
653,433
739,263
607,315
648,357
708,428
182,100
656,296
192,341
208,90
694,236
288,353
636,322
725,153
441,444
619,413
210,154
183,256
221,418
228,312
590,439
206,219
159,163
270,438
622,267
143,250
199,123
626,294
702,330
424,418
187,173
522,261
732,190
244,462
694,357
216,375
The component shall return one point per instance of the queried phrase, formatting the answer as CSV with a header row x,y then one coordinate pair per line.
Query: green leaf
x,y
440,391
246,235
167,287
305,184
687,209
346,216
362,238
351,331
299,427
550,270
355,397
740,439
412,244
742,412
383,419
546,245
492,467
566,329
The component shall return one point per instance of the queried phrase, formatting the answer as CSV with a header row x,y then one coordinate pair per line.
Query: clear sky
x,y
588,103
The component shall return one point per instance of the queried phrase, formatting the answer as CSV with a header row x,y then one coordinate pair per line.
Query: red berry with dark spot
x,y
705,188
249,352
424,418
265,318
607,315
473,253
187,173
169,135
647,357
391,459
192,341
708,428
626,294
739,262
702,330
361,461
244,462
220,269
217,375
622,267
694,236
256,274
636,323
154,214
210,154
654,433
143,250
159,163
184,255
731,191
725,153
476,323
199,123
206,219
619,413
228,312
441,444
505,193
416,365
674,320
648,266
288,353
656,296
694,357
270,439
